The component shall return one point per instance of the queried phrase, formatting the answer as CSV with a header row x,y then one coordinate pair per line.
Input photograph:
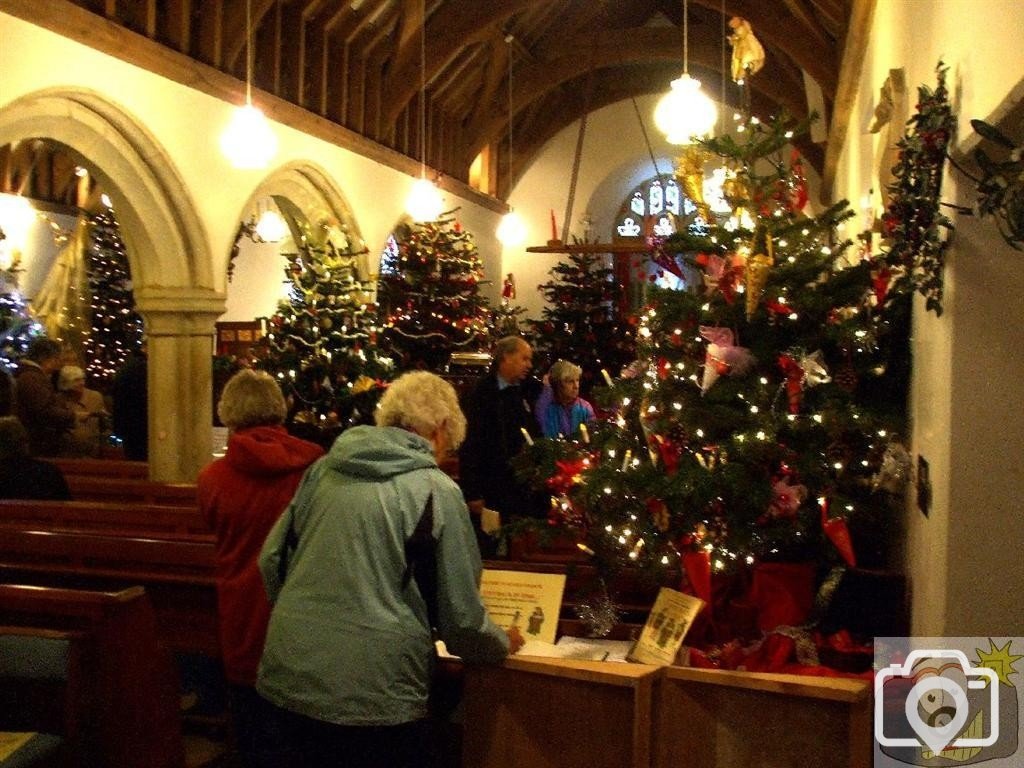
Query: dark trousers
x,y
290,740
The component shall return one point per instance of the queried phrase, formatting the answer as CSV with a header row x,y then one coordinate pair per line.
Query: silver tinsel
x,y
894,474
598,613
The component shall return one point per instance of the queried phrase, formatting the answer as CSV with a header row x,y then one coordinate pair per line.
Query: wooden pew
x,y
42,694
102,467
129,677
177,571
128,519
130,489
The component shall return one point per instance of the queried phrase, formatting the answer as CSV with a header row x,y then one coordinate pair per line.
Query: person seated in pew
x,y
375,553
21,475
242,495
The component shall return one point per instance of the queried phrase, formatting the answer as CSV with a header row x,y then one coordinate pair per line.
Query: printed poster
x,y
531,601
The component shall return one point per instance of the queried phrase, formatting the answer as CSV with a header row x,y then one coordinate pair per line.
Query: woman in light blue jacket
x,y
374,551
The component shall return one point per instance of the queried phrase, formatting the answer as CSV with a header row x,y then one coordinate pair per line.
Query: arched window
x,y
656,207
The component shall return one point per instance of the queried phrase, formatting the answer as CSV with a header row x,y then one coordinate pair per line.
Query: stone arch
x,y
168,252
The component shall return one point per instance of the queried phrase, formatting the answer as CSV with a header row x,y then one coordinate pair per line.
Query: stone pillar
x,y
179,326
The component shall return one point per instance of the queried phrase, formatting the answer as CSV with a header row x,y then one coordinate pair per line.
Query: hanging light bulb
x,y
512,229
248,142
271,227
424,202
685,112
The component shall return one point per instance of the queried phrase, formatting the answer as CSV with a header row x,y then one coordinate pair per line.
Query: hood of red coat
x,y
269,451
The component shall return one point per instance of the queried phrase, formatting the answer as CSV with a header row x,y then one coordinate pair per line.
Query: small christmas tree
x,y
16,325
321,342
583,321
760,420
116,329
430,297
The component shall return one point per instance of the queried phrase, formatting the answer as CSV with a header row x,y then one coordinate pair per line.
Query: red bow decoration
x,y
794,381
839,534
569,474
670,451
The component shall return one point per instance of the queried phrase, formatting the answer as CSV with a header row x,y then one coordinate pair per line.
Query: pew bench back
x,y
133,719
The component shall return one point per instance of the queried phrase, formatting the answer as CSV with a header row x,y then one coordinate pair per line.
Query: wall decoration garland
x,y
916,230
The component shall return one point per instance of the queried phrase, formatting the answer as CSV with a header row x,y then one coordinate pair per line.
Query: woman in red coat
x,y
242,495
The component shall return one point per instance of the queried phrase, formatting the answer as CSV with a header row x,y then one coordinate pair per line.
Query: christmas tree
x,y
116,329
583,320
761,418
16,325
430,297
321,342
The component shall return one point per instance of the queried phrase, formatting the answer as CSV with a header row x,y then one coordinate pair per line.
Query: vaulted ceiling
x,y
357,63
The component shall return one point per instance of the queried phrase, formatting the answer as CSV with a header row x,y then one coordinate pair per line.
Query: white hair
x,y
423,402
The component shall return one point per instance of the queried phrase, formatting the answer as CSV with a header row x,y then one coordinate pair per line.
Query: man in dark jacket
x,y
499,412
42,413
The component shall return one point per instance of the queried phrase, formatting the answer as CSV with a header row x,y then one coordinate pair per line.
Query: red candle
x,y
554,227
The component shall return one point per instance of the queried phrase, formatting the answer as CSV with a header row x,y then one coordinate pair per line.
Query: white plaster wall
x,y
614,159
187,124
968,368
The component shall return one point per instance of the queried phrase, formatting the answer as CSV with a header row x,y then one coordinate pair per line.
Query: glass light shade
x,y
271,227
685,112
512,230
424,202
248,142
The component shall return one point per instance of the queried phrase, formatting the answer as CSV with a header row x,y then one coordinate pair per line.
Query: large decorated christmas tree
x,y
321,342
761,420
429,292
584,319
115,328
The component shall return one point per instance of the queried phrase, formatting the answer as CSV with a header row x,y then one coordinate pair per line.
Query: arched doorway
x,y
169,256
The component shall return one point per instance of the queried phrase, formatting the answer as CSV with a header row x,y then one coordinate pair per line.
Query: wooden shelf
x,y
591,248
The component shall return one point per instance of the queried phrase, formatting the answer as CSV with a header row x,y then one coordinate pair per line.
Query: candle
x,y
526,436
585,434
554,227
607,378
627,459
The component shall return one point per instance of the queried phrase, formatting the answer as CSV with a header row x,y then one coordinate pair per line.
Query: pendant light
x,y
685,112
512,229
248,142
424,202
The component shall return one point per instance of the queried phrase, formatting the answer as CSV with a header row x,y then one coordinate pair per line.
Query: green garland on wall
x,y
913,223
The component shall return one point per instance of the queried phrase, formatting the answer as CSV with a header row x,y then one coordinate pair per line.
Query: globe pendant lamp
x,y
685,113
424,202
248,142
512,229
